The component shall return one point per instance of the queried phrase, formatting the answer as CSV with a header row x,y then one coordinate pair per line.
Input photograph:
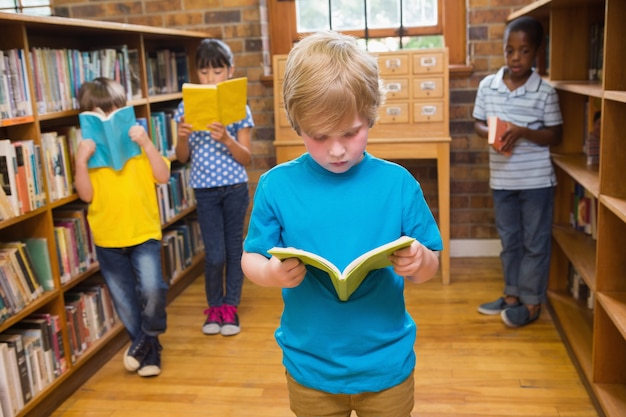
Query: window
x,y
32,7
408,24
381,24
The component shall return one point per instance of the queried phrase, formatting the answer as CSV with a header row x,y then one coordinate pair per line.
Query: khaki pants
x,y
393,402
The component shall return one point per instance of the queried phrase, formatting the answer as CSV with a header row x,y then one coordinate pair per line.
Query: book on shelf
x,y
35,357
15,342
223,102
496,128
593,131
8,172
110,133
16,273
8,382
53,323
19,253
15,102
348,280
38,249
40,328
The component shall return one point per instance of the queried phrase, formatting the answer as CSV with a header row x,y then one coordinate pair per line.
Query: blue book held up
x,y
110,133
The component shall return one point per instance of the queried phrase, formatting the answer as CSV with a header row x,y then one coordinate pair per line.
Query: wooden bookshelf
x,y
596,337
28,32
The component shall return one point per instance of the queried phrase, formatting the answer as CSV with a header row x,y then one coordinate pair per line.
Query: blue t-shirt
x,y
212,164
364,344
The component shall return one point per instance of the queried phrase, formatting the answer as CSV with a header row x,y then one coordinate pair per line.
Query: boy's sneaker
x,y
495,307
151,365
136,353
213,322
230,324
518,316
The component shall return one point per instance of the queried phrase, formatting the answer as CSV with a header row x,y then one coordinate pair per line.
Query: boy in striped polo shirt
x,y
522,183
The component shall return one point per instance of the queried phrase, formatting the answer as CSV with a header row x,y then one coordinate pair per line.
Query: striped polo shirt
x,y
534,105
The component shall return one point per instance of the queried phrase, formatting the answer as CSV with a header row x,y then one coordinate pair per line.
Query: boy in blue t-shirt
x,y
338,201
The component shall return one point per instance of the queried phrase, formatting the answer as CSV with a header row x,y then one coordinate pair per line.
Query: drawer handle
x,y
428,61
394,111
393,63
429,110
394,87
427,85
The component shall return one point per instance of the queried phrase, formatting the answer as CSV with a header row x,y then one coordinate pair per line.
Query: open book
x,y
348,280
497,127
110,133
223,102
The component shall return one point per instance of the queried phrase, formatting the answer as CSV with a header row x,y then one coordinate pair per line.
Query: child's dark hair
x,y
530,26
103,93
213,53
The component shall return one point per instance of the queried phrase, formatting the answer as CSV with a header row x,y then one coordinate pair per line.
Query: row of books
x,y
90,316
59,73
24,276
76,250
32,356
24,164
578,288
176,195
583,211
167,71
22,178
15,101
181,242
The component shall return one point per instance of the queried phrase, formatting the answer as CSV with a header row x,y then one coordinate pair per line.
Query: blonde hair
x,y
103,93
328,81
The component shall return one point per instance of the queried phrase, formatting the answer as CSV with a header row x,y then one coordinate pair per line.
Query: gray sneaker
x,y
495,307
518,316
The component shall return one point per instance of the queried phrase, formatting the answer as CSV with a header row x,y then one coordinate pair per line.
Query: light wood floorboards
x,y
468,365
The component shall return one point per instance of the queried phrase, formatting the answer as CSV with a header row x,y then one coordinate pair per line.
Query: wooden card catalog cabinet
x,y
413,123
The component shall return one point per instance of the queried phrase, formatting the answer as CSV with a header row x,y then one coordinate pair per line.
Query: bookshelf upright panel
x,y
586,67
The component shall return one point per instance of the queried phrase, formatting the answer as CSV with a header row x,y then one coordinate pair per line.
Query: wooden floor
x,y
468,365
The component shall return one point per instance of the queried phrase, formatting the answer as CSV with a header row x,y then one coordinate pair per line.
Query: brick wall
x,y
238,22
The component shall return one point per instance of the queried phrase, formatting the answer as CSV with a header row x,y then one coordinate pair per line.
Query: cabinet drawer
x,y
393,64
394,113
428,63
428,87
431,111
397,88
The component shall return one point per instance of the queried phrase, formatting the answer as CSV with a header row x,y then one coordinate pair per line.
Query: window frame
x,y
453,19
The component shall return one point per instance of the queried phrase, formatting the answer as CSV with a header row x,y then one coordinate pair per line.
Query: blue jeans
x,y
524,222
221,214
135,280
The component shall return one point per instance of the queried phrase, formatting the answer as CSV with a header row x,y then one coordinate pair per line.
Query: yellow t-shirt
x,y
124,210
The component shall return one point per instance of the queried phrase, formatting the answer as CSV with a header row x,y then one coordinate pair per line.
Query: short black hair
x,y
213,53
529,25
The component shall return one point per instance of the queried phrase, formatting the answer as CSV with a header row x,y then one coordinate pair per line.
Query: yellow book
x,y
223,102
348,280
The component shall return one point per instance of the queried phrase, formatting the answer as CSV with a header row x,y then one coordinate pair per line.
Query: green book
x,y
348,280
110,133
38,249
